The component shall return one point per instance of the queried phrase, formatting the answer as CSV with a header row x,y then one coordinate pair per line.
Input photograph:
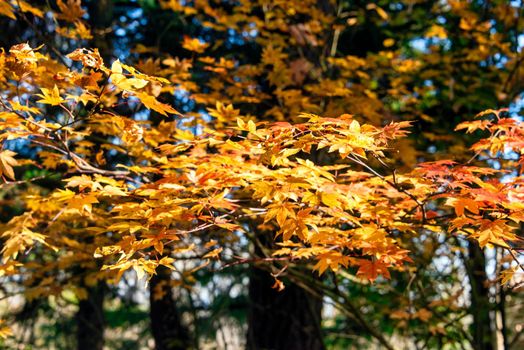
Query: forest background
x,y
219,174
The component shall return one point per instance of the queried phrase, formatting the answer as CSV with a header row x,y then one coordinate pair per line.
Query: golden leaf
x,y
152,103
6,9
6,164
50,96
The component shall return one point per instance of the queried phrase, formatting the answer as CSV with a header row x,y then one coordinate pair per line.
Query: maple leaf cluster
x,y
346,214
304,152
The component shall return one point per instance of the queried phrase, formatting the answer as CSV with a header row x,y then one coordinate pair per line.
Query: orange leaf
x,y
372,269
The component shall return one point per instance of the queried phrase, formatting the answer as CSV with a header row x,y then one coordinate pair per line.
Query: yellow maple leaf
x,y
215,253
194,44
6,164
109,190
331,199
71,11
507,275
489,237
82,182
122,82
82,203
152,103
436,31
332,260
50,96
107,250
6,9
5,331
25,7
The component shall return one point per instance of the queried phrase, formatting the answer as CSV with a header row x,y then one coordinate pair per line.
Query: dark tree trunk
x,y
90,319
285,320
481,330
166,323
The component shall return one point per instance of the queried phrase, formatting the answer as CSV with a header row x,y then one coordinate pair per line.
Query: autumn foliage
x,y
325,152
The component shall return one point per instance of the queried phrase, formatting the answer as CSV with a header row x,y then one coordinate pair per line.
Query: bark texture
x,y
288,320
481,329
166,322
90,319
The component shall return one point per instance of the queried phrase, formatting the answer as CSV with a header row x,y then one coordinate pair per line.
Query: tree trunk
x,y
90,319
481,329
166,324
285,320
289,319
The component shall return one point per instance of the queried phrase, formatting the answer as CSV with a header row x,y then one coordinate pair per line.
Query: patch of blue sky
x,y
419,44
443,263
251,33
234,37
21,146
142,115
517,107
184,102
441,20
128,24
500,60
422,44
120,32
